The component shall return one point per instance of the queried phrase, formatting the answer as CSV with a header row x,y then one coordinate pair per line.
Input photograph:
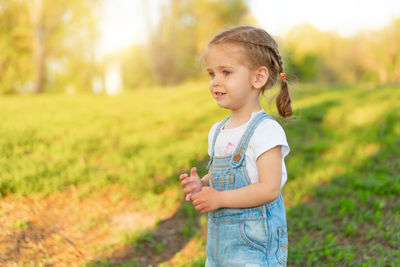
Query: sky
x,y
123,21
347,17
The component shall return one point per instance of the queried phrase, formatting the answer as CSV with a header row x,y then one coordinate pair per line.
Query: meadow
x,y
342,195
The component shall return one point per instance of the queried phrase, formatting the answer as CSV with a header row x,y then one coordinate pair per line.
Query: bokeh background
x,y
104,103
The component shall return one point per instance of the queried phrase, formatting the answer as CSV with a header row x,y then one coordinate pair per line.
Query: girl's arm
x,y
269,166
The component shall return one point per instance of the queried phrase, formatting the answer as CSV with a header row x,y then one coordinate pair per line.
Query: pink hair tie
x,y
282,75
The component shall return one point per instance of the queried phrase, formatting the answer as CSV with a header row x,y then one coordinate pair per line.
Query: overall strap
x,y
217,131
239,154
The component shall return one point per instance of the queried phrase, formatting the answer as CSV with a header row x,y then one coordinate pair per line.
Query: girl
x,y
241,192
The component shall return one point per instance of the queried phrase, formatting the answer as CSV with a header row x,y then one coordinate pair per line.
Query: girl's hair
x,y
261,50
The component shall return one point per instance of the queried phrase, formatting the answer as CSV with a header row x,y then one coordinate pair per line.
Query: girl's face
x,y
231,81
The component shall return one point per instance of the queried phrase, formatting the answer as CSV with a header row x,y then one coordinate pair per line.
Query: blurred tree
x,y
73,59
372,56
136,67
301,47
177,42
44,42
15,46
50,46
36,10
70,32
383,53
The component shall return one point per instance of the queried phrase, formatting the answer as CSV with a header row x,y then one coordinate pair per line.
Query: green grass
x,y
343,187
141,139
344,178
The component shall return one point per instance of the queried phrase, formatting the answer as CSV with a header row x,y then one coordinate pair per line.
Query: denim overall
x,y
247,236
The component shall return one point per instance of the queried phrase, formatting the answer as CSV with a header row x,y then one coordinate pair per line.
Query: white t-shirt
x,y
267,135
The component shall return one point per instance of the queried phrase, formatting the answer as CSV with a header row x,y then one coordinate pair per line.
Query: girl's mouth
x,y
219,94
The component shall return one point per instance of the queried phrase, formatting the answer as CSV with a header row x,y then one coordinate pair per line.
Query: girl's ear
x,y
260,77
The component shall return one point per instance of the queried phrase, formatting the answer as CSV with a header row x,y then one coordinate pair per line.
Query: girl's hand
x,y
208,199
192,184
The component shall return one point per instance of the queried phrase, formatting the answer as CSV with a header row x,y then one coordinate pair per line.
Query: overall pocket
x,y
223,182
282,252
254,233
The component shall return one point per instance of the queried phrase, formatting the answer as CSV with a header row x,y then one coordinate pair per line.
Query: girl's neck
x,y
241,116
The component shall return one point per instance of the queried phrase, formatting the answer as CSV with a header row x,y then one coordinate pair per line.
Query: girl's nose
x,y
214,85
216,81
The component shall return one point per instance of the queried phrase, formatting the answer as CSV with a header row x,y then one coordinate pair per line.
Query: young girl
x,y
241,192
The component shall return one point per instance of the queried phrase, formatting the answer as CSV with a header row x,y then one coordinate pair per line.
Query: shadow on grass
x,y
354,219
164,241
308,138
155,245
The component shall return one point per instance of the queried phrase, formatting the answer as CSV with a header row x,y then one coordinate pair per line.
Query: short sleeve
x,y
211,136
267,135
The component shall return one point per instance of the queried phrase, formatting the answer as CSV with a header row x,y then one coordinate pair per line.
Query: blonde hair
x,y
261,50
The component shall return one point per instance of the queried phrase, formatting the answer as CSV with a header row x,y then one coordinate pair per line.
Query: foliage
x,y
136,68
61,34
313,55
49,46
15,47
173,54
177,42
310,55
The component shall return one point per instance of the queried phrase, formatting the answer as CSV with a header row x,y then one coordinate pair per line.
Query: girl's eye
x,y
227,72
211,74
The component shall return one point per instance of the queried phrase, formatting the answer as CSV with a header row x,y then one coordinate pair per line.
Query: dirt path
x,y
65,230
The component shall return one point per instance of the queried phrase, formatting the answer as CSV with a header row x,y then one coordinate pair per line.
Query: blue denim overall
x,y
248,236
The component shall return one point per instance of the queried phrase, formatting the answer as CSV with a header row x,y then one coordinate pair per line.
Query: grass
x,y
343,188
141,139
346,167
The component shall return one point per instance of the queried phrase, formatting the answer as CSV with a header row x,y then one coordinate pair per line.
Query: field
x,y
93,180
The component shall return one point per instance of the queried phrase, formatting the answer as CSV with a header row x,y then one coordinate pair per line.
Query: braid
x,y
283,100
278,58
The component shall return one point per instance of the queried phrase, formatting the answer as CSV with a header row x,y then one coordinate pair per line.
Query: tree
x,y
36,8
42,43
177,42
15,46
